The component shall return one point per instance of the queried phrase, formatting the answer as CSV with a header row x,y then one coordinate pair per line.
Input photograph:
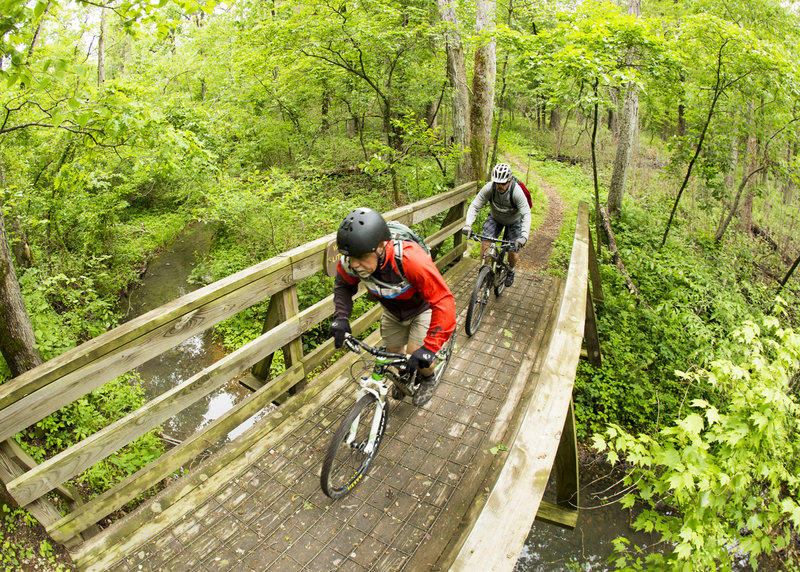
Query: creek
x,y
588,547
166,279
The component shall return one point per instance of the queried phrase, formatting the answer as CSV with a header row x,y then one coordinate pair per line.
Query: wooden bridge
x,y
455,486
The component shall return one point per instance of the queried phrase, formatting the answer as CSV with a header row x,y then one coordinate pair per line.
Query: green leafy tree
x,y
722,481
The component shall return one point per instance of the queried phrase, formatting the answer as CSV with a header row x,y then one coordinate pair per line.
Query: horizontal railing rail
x,y
39,392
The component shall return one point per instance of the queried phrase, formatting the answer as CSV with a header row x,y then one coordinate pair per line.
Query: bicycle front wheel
x,y
479,299
500,280
348,457
444,354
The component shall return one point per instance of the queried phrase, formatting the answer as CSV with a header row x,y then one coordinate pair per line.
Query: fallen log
x,y
612,248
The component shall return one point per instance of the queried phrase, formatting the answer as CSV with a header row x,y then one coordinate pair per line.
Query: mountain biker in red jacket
x,y
419,308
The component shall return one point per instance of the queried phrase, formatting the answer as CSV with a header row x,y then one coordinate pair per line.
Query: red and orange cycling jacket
x,y
420,286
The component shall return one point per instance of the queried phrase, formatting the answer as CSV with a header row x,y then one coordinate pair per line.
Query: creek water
x,y
589,546
166,279
547,549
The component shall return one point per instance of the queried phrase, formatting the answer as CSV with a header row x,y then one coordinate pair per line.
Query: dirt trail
x,y
536,254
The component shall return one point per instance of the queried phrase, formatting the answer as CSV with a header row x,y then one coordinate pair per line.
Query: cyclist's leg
x,y
490,228
513,232
394,332
417,332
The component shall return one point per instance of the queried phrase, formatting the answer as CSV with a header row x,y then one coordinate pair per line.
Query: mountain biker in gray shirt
x,y
508,209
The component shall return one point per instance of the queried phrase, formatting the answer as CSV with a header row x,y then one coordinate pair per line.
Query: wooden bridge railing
x,y
30,397
544,438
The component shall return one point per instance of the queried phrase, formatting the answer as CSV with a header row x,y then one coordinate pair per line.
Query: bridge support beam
x,y
282,306
565,512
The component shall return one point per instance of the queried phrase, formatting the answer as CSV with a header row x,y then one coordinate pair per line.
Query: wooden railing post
x,y
282,306
455,213
566,464
594,274
11,467
590,337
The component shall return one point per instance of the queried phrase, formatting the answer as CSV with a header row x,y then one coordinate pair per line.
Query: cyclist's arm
x,y
345,287
422,273
477,204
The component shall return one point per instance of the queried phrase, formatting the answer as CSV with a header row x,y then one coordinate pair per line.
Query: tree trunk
x,y
17,341
325,104
628,128
37,33
594,171
746,215
729,180
482,109
101,46
555,119
457,74
500,102
699,147
735,206
789,184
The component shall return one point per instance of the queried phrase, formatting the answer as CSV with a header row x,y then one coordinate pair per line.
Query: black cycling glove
x,y
421,358
339,328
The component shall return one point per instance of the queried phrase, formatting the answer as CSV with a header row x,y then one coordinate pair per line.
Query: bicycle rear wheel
x,y
346,461
479,299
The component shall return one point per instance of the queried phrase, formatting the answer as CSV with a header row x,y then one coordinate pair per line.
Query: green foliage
x,y
722,480
19,554
85,417
696,300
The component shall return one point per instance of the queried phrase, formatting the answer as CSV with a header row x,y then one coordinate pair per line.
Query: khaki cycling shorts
x,y
397,334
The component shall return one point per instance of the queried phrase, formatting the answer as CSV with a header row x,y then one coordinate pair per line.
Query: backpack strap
x,y
513,187
398,257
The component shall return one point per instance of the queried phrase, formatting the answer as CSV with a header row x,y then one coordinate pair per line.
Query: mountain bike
x,y
355,443
493,272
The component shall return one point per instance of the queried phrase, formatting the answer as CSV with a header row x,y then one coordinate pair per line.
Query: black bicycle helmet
x,y
361,232
501,173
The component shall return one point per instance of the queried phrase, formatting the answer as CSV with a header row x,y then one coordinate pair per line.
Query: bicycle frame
x,y
374,385
496,255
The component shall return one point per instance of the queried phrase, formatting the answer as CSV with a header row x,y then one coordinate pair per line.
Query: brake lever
x,y
351,345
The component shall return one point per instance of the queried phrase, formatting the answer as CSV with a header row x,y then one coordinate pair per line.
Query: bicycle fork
x,y
379,393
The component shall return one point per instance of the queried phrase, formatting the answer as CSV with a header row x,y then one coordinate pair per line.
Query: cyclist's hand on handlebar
x,y
339,328
520,242
467,231
421,358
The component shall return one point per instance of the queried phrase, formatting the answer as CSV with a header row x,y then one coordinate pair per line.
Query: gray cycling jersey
x,y
506,208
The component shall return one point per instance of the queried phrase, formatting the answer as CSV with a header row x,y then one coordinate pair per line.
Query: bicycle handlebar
x,y
509,244
355,345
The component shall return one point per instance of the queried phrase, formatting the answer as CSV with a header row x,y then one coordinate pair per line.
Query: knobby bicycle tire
x,y
479,300
501,280
345,465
